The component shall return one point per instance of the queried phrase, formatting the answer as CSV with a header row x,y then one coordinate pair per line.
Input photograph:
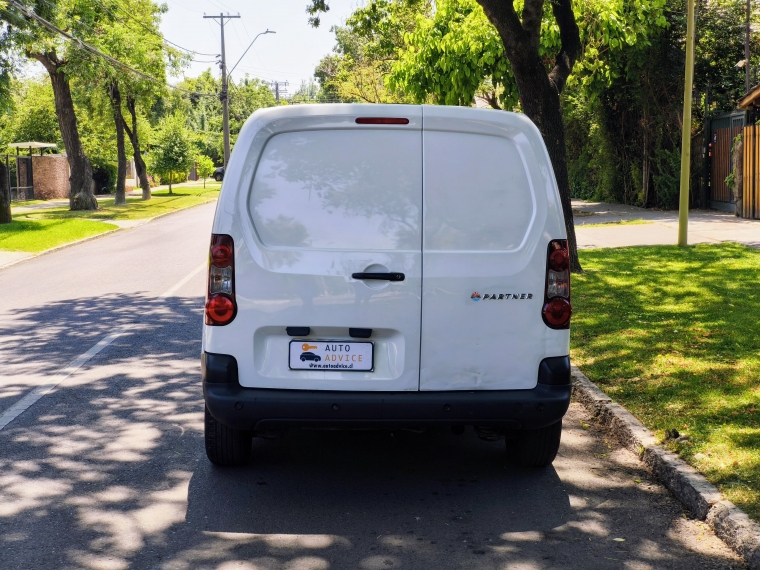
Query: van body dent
x,y
386,265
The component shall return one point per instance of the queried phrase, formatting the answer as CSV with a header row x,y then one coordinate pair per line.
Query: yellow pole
x,y
683,206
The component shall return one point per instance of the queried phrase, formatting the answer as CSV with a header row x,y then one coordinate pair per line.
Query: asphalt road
x,y
106,469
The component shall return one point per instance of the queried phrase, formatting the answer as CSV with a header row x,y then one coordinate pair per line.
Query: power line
x,y
84,45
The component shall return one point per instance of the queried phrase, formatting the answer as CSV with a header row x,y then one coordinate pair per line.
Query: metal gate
x,y
24,189
721,131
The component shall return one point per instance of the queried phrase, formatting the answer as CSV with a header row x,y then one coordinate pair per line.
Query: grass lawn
x,y
38,230
135,208
37,235
672,334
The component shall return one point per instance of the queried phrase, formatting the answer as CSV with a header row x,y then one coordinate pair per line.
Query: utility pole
x,y
683,204
277,85
746,48
223,96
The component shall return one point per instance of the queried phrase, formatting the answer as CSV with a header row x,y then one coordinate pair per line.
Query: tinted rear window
x,y
341,189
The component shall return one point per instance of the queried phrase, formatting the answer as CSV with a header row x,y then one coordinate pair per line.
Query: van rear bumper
x,y
259,409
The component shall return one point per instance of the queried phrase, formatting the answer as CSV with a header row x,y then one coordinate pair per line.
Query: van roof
x,y
392,110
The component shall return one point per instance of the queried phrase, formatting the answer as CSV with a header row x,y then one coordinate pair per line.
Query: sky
x,y
291,54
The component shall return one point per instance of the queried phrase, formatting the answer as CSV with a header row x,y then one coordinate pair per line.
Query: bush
x,y
176,178
666,176
104,174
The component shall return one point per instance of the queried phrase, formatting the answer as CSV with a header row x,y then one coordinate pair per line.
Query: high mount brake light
x,y
221,307
381,121
557,309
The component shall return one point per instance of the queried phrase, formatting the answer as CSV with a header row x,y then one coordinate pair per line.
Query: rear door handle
x,y
380,276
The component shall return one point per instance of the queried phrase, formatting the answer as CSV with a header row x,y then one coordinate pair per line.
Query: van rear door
x,y
335,210
489,201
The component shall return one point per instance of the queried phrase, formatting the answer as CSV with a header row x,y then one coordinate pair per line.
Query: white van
x,y
387,266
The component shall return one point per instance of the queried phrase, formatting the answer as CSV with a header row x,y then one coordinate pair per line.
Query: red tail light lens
x,y
557,313
220,293
557,310
221,255
220,310
559,260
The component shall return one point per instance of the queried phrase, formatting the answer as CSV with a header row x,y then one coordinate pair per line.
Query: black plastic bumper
x,y
260,408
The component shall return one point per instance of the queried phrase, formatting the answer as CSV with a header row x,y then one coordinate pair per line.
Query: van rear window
x,y
477,194
352,189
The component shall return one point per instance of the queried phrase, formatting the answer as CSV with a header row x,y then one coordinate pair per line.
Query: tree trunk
x,y
142,171
121,171
539,91
81,196
5,196
171,175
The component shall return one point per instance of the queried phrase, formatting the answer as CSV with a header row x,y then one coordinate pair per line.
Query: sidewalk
x,y
705,226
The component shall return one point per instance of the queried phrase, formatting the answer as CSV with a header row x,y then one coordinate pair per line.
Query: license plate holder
x,y
332,355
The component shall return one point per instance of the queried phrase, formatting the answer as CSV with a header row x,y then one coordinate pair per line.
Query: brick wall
x,y
51,176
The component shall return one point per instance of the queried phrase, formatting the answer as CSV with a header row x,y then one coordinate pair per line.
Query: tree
x,y
132,133
172,151
205,167
540,90
47,47
366,48
624,133
32,114
204,112
128,31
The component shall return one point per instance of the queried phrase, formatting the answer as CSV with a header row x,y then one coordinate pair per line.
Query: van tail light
x,y
557,310
221,307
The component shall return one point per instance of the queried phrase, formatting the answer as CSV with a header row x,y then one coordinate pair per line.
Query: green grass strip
x,y
672,334
617,223
161,203
33,236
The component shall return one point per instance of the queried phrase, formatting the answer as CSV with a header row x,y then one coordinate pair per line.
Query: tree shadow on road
x,y
109,471
38,342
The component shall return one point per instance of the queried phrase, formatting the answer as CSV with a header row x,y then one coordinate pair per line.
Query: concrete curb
x,y
98,236
688,485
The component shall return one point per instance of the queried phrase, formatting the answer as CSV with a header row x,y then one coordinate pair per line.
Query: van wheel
x,y
226,446
536,447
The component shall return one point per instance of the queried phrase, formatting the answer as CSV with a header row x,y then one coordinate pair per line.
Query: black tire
x,y
536,447
226,446
217,178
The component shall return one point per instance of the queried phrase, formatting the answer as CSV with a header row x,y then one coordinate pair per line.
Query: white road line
x,y
28,401
32,397
187,278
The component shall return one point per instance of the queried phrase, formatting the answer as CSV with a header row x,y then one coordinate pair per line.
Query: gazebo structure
x,y
53,179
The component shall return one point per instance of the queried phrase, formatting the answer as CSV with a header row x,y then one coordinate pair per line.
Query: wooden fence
x,y
723,139
751,173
